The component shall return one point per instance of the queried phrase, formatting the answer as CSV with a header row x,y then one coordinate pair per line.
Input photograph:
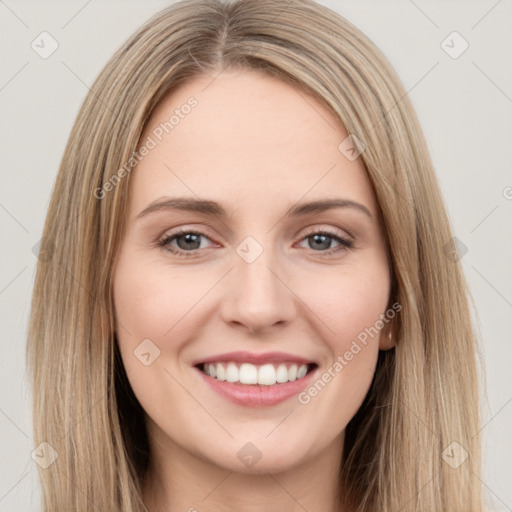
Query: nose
x,y
257,296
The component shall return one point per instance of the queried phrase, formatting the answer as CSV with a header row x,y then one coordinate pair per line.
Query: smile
x,y
256,380
264,375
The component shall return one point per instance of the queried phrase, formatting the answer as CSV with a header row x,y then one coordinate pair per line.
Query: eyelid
x,y
323,228
308,231
186,228
183,231
345,242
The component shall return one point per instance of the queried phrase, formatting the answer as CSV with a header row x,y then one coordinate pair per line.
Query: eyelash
x,y
165,242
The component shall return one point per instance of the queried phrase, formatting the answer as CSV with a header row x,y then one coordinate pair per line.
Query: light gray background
x,y
465,108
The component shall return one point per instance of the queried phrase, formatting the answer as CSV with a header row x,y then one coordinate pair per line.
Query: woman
x,y
312,349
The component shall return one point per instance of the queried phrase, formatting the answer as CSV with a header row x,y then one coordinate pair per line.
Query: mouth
x,y
269,374
256,380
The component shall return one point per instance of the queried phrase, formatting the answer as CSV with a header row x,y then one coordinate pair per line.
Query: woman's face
x,y
243,274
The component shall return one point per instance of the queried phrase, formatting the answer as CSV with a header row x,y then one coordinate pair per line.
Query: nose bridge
x,y
257,297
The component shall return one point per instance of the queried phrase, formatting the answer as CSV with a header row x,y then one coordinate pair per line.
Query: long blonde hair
x,y
424,395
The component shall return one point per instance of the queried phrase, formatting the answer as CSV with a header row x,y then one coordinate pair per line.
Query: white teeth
x,y
221,372
282,373
267,375
246,373
302,371
292,372
232,373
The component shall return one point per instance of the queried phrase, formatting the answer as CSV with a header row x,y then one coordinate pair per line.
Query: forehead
x,y
248,137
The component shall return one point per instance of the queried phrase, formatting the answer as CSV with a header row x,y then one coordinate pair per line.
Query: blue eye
x,y
323,238
189,242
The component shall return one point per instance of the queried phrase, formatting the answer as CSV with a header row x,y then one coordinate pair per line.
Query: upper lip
x,y
253,358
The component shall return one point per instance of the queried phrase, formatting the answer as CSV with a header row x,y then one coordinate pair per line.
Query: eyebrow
x,y
213,208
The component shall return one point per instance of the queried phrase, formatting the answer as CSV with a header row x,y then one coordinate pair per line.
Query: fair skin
x,y
254,145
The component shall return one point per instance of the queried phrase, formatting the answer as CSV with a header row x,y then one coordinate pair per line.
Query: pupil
x,y
189,238
324,237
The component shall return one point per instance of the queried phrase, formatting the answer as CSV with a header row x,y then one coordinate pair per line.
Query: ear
x,y
386,338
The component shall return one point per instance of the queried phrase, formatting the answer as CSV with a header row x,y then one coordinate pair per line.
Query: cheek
x,y
152,304
350,314
155,313
158,313
350,303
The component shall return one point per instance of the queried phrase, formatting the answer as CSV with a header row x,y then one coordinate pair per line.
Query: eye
x,y
321,239
188,242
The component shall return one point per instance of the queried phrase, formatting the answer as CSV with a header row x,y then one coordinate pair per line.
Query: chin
x,y
260,458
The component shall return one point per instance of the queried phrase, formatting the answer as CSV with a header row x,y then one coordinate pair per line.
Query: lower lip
x,y
255,395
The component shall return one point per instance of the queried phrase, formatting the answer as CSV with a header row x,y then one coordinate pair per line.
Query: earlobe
x,y
386,339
